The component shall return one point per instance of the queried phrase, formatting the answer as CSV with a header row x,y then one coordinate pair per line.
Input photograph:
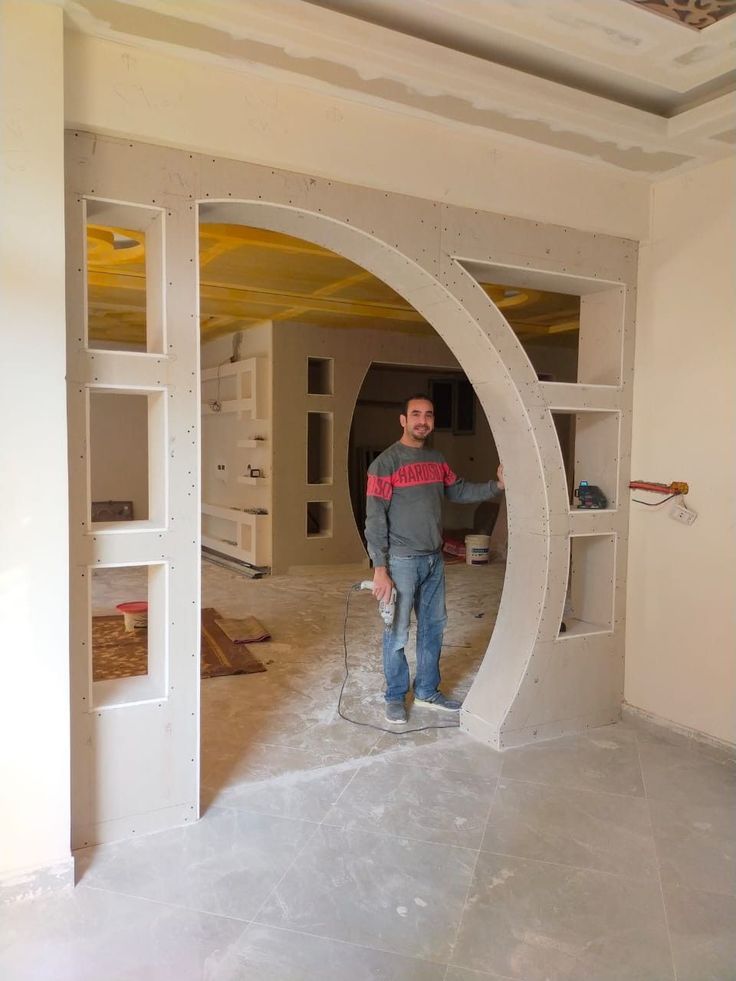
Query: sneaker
x,y
440,701
396,713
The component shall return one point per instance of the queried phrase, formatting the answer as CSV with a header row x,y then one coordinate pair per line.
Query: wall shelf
x,y
582,628
252,481
251,444
228,405
250,536
244,374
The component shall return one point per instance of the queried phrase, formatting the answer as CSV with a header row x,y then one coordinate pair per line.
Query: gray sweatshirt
x,y
404,501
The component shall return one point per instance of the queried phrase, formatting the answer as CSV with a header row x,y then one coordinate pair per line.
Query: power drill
x,y
385,608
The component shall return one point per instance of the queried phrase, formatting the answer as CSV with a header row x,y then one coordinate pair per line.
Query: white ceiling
x,y
605,79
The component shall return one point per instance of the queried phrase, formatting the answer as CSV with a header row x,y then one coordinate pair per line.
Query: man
x,y
403,528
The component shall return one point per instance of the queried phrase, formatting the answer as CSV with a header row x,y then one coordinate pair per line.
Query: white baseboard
x,y
689,733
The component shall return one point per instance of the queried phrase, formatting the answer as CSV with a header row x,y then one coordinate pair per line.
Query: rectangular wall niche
x,y
319,447
589,442
127,647
571,328
320,376
319,519
125,277
590,589
126,457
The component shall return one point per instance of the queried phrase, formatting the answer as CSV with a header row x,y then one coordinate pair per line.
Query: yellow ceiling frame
x,y
241,286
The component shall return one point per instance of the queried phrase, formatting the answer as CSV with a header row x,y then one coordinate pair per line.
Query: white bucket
x,y
476,549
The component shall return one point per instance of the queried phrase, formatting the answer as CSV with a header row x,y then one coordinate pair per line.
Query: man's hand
x,y
382,584
499,478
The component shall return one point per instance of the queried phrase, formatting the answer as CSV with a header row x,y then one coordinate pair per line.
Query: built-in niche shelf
x,y
251,444
231,387
582,628
252,481
589,608
239,534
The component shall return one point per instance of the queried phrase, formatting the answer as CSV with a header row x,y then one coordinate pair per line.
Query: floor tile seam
x,y
439,769
560,786
658,863
309,774
286,871
269,814
165,903
282,746
620,876
399,837
429,768
309,839
339,796
347,943
464,908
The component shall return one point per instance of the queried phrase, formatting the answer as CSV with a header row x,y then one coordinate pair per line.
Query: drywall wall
x,y
34,557
163,99
353,351
224,461
118,431
681,629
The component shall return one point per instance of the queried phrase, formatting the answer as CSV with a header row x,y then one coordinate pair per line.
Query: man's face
x,y
418,422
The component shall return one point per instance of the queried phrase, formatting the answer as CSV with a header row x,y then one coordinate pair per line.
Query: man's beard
x,y
421,436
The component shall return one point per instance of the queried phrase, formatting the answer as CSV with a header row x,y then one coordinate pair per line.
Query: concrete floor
x,y
333,852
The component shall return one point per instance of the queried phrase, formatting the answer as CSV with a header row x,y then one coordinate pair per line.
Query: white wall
x,y
681,631
34,601
118,430
125,91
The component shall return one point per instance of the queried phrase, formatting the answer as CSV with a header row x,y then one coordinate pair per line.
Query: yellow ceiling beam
x,y
239,296
240,235
329,290
254,297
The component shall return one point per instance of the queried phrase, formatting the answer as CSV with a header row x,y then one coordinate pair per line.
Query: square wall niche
x,y
591,586
320,376
124,270
127,458
127,648
319,448
319,519
589,443
571,328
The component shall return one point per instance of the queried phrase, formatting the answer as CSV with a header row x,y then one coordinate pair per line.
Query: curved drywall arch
x,y
479,336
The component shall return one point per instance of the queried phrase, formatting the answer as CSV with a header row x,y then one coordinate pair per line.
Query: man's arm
x,y
463,492
378,499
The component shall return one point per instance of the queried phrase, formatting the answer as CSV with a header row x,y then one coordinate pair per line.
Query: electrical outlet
x,y
685,515
221,470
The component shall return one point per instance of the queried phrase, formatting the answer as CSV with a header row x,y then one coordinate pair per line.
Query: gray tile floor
x,y
337,853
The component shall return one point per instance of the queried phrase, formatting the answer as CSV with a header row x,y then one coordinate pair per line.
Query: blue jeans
x,y
420,585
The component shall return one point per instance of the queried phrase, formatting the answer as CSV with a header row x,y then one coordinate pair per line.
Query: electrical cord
x,y
215,404
371,725
655,504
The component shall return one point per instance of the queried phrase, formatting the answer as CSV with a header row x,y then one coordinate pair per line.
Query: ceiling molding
x,y
612,47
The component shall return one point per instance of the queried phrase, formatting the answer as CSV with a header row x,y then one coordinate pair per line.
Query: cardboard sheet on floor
x,y
247,630
220,656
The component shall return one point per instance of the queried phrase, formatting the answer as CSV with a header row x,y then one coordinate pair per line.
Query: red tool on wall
x,y
675,488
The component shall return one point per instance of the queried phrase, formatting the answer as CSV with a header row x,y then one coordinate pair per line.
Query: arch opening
x,y
432,293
